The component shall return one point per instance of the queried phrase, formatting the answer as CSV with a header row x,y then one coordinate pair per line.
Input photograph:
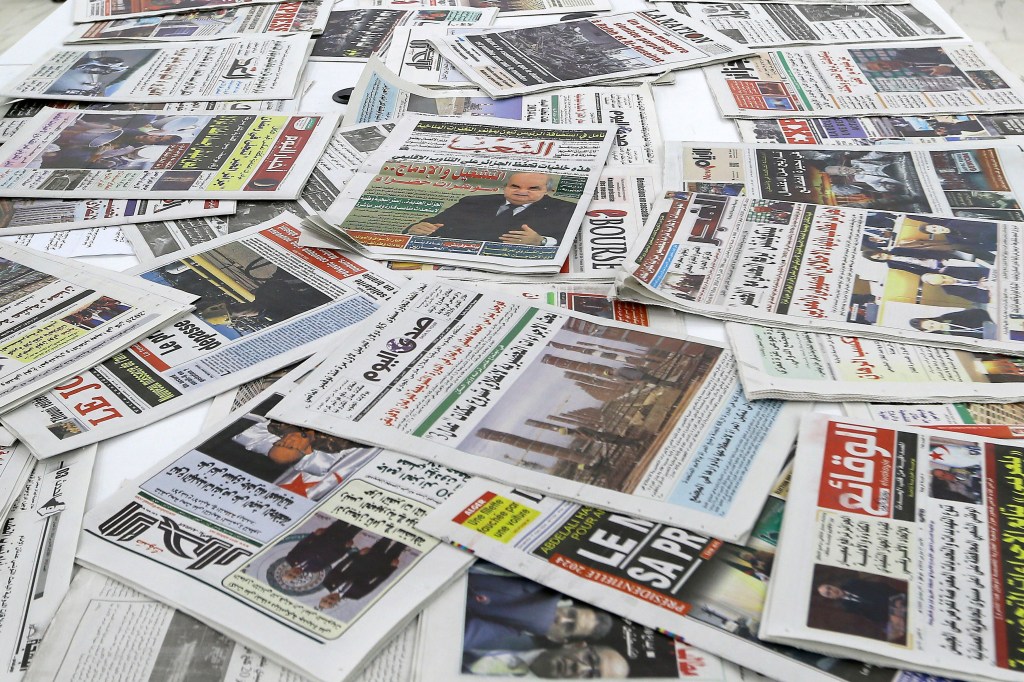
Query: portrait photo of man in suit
x,y
524,213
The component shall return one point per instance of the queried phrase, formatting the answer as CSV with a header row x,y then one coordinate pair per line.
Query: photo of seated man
x,y
858,603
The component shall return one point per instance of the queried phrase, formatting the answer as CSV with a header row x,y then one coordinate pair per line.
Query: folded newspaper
x,y
899,547
264,303
27,216
95,241
983,419
872,79
298,544
95,10
945,282
58,317
648,423
506,8
871,130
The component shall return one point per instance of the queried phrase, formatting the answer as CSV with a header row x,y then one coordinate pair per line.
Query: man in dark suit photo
x,y
522,214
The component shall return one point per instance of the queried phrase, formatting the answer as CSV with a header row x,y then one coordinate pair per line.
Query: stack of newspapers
x,y
508,369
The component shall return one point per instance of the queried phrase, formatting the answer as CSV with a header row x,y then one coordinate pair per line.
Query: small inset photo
x,y
858,603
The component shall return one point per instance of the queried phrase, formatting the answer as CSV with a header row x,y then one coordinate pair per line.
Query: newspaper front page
x,y
298,544
666,578
518,61
264,302
96,241
764,24
648,423
282,18
501,196
899,547
506,8
472,631
796,365
983,419
873,130
256,68
97,10
945,282
884,78
180,156
58,317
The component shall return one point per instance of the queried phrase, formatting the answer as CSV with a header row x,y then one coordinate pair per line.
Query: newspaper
x,y
265,303
188,156
413,57
899,547
154,642
281,18
589,408
348,147
983,419
354,35
298,544
517,61
763,24
37,554
96,10
260,67
795,365
95,241
58,317
884,78
29,216
802,266
506,8
660,576
16,463
503,195
872,130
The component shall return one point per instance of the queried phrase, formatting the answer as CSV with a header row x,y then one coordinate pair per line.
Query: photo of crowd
x,y
97,313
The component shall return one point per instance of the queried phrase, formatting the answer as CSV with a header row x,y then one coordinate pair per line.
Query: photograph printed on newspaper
x,y
111,154
255,68
96,10
264,302
518,61
900,547
649,423
872,130
299,544
506,8
884,78
282,18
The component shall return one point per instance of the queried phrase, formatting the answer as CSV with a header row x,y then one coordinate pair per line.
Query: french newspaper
x,y
95,241
506,8
872,130
762,24
945,282
58,317
786,364
518,61
297,544
501,195
470,633
179,156
281,18
28,216
264,302
871,79
97,10
899,548
657,575
648,423
1003,420
255,68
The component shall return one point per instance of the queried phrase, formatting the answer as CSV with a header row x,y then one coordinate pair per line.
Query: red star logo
x,y
935,454
298,486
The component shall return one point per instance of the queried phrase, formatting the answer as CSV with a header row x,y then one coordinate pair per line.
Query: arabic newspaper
x,y
1005,420
883,78
260,67
466,634
763,24
502,195
899,547
413,57
95,241
551,400
58,317
353,35
806,267
298,544
281,18
37,554
660,576
517,61
967,180
28,216
506,8
265,302
871,130
155,642
795,365
348,147
194,156
97,10
16,463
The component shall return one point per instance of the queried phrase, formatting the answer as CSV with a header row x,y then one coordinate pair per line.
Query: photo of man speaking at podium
x,y
523,214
